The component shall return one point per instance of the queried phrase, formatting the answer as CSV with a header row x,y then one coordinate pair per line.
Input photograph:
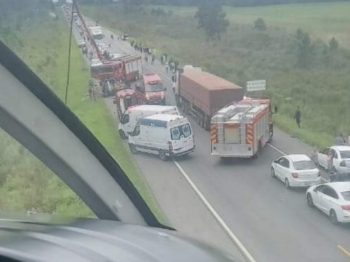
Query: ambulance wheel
x,y
122,134
133,149
162,155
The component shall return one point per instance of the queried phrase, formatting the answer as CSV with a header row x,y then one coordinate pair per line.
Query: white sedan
x,y
332,199
296,171
341,159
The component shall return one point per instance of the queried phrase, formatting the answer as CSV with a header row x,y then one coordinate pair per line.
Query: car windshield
x,y
346,195
224,65
345,154
154,87
304,165
179,132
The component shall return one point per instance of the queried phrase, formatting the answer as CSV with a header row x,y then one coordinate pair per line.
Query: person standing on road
x,y
166,67
340,140
297,117
153,58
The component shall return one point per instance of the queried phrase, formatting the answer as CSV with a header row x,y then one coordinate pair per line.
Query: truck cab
x,y
151,90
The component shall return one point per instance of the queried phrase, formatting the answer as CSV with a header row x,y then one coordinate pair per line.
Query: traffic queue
x,y
240,126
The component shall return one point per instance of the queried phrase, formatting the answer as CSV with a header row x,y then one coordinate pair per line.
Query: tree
x,y
333,44
259,24
304,49
212,19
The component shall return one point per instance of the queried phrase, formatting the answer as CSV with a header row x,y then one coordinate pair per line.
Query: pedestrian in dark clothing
x,y
176,65
162,59
340,140
297,117
112,37
173,78
153,58
165,57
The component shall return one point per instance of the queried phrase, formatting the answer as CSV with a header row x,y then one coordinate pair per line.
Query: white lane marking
x,y
283,153
222,223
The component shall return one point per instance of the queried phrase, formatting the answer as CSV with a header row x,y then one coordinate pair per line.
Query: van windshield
x,y
154,88
179,132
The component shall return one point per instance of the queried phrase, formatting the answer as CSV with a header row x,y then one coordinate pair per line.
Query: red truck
x,y
203,94
151,91
124,99
126,68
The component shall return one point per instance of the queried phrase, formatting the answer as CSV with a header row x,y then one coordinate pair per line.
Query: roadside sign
x,y
257,85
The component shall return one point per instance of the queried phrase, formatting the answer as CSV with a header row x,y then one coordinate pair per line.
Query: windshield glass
x,y
346,195
179,132
304,165
98,37
290,55
345,154
154,88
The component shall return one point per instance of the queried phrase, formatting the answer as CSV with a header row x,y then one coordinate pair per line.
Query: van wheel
x,y
133,149
162,155
122,134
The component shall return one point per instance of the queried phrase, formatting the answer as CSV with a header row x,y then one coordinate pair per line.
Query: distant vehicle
x,y
81,43
333,199
124,37
163,135
115,57
296,171
341,160
151,91
133,115
203,94
242,129
125,99
126,69
96,32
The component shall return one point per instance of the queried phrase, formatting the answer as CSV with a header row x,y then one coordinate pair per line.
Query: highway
x,y
273,223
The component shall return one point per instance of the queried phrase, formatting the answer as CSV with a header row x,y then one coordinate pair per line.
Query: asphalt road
x,y
273,223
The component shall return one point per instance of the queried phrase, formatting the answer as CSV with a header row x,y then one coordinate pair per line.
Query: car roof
x,y
153,108
341,148
151,77
340,186
297,157
164,117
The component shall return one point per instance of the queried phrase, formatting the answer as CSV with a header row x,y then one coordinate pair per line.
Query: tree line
x,y
236,3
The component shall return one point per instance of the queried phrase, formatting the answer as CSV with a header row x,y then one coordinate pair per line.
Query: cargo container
x,y
203,94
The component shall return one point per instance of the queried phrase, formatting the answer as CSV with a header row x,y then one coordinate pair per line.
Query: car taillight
x,y
342,163
295,175
170,146
345,207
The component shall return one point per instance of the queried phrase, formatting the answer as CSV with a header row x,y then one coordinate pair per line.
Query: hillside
x,y
317,83
42,42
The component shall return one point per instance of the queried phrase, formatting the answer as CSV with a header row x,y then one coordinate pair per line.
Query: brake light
x,y
345,207
342,163
295,175
170,145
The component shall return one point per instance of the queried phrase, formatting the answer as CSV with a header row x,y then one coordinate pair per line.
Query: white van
x,y
134,114
164,135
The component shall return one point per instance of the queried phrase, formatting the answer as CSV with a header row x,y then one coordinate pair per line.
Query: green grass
x,y
245,54
322,20
44,49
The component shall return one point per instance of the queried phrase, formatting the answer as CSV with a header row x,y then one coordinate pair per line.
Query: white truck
x,y
96,32
134,114
240,130
164,135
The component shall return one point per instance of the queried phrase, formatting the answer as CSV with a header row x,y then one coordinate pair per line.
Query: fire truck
x,y
127,68
241,129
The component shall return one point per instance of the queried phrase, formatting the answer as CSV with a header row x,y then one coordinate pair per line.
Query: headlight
x,y
147,96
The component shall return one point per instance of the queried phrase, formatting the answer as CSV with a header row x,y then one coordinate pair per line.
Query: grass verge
x,y
43,46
